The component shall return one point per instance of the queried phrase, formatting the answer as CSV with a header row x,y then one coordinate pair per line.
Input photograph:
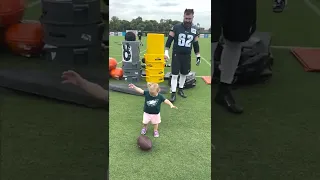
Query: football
x,y
144,143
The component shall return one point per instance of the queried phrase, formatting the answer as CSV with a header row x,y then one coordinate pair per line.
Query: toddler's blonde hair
x,y
153,88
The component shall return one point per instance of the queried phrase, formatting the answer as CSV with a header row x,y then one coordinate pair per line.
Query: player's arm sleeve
x,y
170,37
196,47
197,34
145,92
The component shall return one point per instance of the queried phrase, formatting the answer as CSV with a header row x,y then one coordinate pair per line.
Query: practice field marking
x,y
34,3
312,6
292,47
199,76
206,61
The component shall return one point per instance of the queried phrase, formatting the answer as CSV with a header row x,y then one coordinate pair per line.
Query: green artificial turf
x,y
43,139
277,136
183,149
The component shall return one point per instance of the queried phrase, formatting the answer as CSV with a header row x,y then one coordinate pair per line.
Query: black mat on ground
x,y
48,84
123,88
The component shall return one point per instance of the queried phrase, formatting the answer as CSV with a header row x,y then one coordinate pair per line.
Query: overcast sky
x,y
162,9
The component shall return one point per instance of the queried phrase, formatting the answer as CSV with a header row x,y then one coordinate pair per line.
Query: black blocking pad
x,y
48,84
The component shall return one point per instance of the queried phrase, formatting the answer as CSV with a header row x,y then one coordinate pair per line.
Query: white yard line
x,y
206,61
313,7
199,76
34,3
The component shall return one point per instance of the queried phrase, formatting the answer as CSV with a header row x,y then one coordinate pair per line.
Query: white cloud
x,y
162,9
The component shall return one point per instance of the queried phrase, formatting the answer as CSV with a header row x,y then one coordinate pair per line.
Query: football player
x,y
236,20
140,37
184,36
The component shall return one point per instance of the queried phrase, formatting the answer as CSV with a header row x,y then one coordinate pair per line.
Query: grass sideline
x,y
183,149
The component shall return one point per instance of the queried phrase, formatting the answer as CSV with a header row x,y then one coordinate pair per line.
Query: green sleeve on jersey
x,y
162,98
145,93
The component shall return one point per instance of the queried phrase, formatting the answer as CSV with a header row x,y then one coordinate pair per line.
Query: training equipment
x,y
105,11
155,43
255,65
144,143
84,58
72,32
72,36
116,73
154,58
206,79
123,88
112,63
308,58
11,12
25,38
131,64
68,12
40,83
191,80
130,36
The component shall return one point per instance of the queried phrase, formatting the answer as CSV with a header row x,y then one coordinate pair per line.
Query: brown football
x,y
144,143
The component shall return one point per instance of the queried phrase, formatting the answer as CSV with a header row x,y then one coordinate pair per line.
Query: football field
x,y
183,149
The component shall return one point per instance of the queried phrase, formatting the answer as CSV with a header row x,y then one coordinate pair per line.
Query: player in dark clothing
x,y
236,20
279,5
184,35
140,36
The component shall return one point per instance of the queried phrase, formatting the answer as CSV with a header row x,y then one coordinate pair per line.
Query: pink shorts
x,y
153,118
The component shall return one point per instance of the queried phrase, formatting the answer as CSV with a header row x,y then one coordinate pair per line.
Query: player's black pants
x,y
181,63
236,19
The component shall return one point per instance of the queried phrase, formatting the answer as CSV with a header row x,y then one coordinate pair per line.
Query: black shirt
x,y
152,104
183,38
139,34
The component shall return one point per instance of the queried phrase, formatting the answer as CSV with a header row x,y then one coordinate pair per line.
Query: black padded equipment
x,y
123,88
49,85
256,61
191,80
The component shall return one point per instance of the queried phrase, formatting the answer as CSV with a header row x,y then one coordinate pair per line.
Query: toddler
x,y
152,104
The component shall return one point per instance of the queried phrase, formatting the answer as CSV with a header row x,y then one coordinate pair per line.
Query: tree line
x,y
116,24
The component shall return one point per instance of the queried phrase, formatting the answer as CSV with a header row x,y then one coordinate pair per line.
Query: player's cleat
x,y
181,93
279,6
225,99
173,97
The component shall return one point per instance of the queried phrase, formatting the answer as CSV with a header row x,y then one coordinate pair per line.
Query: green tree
x,y
163,26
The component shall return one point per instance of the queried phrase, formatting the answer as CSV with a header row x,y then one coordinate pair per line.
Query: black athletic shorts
x,y
236,19
139,37
181,63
